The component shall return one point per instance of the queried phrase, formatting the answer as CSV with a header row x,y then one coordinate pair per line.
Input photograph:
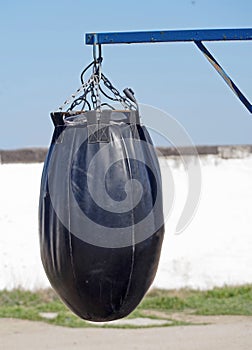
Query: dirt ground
x,y
223,333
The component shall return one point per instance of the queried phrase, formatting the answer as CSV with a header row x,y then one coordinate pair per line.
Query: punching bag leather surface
x,y
100,212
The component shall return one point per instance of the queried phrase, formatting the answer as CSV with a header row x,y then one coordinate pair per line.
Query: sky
x,y
42,54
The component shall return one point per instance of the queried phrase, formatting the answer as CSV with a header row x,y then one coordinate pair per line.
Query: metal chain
x,y
92,87
123,100
93,96
97,92
81,88
81,99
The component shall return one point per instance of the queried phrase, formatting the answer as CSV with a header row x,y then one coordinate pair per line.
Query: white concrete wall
x,y
214,250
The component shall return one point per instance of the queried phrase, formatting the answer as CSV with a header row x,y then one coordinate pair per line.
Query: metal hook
x,y
97,61
97,58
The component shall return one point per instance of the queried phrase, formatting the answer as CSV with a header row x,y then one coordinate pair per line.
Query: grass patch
x,y
218,301
157,304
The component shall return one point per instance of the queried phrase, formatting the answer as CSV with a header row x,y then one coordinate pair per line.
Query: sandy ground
x,y
232,333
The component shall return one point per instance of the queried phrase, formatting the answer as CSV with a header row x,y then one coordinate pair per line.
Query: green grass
x,y
218,301
160,304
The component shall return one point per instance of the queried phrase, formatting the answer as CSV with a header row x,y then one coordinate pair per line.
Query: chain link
x,y
97,93
73,96
81,99
92,87
123,100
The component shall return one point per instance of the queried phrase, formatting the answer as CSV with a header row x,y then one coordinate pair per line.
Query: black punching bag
x,y
100,212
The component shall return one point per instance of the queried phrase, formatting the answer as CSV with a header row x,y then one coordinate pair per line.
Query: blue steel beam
x,y
168,36
196,36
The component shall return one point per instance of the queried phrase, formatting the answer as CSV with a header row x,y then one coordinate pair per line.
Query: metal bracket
x,y
196,36
224,75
